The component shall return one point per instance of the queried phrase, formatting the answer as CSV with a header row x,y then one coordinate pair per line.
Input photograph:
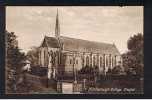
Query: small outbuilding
x,y
27,66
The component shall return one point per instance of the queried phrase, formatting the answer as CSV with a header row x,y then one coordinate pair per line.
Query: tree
x,y
14,59
89,71
33,56
117,70
134,57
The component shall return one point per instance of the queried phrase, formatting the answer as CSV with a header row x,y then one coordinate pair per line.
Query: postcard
x,y
74,50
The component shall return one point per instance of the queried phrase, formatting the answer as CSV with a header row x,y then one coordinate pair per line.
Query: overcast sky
x,y
96,23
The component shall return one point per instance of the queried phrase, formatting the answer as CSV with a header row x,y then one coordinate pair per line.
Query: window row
x,y
103,61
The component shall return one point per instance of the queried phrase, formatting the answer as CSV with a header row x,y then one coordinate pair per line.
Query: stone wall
x,y
76,60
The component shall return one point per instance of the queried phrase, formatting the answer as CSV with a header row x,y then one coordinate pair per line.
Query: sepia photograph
x,y
74,50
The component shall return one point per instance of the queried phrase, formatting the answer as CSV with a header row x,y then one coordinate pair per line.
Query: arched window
x,y
106,61
115,60
94,61
110,60
40,56
70,61
45,59
77,61
53,58
82,58
50,53
57,57
44,55
50,56
87,60
100,61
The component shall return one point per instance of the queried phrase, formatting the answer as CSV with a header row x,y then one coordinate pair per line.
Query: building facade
x,y
65,55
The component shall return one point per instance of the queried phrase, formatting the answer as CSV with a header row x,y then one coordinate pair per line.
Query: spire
x,y
57,26
57,30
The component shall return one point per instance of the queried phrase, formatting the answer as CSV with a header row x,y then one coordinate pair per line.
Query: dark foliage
x,y
133,59
33,56
13,62
39,71
88,70
117,70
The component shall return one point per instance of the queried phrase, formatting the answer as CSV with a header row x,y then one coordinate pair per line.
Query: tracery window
x,y
70,61
106,61
100,61
54,57
115,60
82,61
110,60
45,60
77,61
87,60
94,61
57,57
44,55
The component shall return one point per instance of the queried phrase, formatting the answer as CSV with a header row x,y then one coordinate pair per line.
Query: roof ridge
x,y
80,44
86,40
80,39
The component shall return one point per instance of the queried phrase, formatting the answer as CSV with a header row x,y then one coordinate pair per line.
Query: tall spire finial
x,y
57,26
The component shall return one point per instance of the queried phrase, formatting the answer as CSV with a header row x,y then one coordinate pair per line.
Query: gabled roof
x,y
50,42
72,44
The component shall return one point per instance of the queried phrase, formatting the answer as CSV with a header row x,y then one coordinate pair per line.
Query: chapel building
x,y
62,54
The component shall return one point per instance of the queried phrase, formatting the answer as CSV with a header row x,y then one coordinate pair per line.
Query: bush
x,y
37,70
86,70
117,70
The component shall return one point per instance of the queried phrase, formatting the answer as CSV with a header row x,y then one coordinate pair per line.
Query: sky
x,y
108,24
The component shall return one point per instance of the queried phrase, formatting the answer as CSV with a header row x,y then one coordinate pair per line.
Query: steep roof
x,y
50,42
72,44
